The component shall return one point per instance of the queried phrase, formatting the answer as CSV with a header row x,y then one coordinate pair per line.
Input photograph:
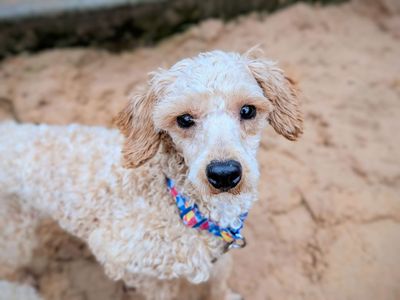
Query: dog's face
x,y
214,107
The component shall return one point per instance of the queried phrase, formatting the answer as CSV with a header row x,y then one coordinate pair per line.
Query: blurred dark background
x,y
112,24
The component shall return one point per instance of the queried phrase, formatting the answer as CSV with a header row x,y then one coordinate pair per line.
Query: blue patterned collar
x,y
192,217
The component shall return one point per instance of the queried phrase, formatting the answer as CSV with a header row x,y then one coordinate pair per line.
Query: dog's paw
x,y
234,296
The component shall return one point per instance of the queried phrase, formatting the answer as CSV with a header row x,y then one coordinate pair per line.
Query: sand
x,y
327,223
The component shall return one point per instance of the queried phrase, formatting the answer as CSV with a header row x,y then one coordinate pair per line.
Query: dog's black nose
x,y
224,175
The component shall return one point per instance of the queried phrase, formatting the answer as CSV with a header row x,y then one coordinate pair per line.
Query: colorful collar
x,y
192,217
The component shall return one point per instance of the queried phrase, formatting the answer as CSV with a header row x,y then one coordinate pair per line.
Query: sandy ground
x,y
327,224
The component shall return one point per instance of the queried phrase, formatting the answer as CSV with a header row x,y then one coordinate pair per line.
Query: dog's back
x,y
51,170
59,159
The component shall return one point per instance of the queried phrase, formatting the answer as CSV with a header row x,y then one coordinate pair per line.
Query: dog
x,y
160,204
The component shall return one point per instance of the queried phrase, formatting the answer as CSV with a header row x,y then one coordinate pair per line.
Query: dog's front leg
x,y
152,288
216,288
218,281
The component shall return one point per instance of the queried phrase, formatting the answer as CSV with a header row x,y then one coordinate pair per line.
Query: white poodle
x,y
163,218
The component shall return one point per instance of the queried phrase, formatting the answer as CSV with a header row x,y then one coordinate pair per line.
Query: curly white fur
x,y
130,222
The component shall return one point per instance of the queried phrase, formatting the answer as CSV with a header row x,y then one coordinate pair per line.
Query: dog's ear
x,y
286,117
136,124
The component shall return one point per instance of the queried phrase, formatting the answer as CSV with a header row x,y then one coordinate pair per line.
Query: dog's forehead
x,y
210,72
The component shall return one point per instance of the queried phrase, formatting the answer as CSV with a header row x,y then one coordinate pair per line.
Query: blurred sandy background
x,y
327,224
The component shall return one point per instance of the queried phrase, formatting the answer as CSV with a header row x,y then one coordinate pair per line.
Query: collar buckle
x,y
236,244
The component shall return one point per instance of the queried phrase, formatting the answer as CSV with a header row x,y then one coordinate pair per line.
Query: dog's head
x,y
214,108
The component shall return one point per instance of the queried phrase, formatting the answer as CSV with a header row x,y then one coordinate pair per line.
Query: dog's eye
x,y
248,112
185,121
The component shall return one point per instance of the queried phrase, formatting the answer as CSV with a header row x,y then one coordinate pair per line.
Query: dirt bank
x,y
327,224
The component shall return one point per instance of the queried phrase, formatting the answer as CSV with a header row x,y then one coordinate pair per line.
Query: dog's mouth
x,y
233,191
